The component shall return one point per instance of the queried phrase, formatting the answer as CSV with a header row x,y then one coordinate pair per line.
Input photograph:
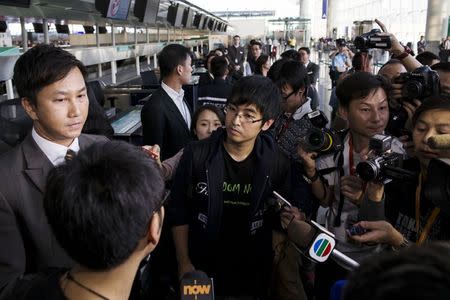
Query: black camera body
x,y
419,84
310,133
383,165
371,39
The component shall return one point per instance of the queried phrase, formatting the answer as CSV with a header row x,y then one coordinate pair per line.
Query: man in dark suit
x,y
51,83
218,91
166,117
313,75
236,55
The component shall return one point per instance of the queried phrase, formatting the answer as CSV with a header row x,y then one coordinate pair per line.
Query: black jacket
x,y
163,124
197,200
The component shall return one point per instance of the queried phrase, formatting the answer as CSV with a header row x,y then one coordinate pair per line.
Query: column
x,y
437,22
24,34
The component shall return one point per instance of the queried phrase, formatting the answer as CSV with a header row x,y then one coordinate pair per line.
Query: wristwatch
x,y
310,180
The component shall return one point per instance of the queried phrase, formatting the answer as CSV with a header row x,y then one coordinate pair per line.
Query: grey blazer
x,y
26,241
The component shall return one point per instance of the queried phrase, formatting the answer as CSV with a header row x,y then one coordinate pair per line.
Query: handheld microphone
x,y
317,243
441,141
196,285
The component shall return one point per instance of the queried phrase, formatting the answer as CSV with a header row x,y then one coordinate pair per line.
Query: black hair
x,y
275,68
41,66
441,66
201,109
170,57
255,42
359,85
260,62
292,73
261,92
236,36
418,272
360,61
306,49
291,54
441,101
219,66
99,205
427,57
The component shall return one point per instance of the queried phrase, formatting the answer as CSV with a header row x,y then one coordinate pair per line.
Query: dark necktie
x,y
69,155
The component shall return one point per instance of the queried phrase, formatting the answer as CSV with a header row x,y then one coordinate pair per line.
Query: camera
x,y
419,84
371,40
323,141
310,133
383,165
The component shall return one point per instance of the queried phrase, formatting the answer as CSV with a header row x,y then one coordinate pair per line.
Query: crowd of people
x,y
84,217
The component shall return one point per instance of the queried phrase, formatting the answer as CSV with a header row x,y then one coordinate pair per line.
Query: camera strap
x,y
423,235
340,166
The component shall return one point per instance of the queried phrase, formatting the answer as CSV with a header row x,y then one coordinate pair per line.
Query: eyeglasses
x,y
287,96
232,111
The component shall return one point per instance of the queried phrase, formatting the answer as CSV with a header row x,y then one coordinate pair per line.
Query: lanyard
x,y
352,170
422,236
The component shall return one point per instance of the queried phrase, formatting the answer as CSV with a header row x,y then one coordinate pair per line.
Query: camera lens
x,y
314,140
360,42
367,170
413,89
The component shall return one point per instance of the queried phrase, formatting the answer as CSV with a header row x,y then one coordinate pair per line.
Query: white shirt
x,y
303,110
54,152
177,98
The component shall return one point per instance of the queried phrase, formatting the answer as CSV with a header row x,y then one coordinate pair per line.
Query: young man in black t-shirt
x,y
219,199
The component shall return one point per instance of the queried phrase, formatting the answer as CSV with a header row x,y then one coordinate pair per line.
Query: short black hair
x,y
306,49
170,57
418,272
99,205
219,66
275,68
41,66
440,101
260,62
236,36
255,42
201,109
291,73
291,54
441,66
360,85
261,92
427,57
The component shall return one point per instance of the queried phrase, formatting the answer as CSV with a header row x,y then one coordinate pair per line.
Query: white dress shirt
x,y
177,98
54,152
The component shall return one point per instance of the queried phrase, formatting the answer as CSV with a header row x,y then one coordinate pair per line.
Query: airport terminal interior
x,y
123,46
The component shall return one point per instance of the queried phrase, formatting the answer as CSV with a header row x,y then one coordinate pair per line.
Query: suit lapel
x,y
176,114
37,164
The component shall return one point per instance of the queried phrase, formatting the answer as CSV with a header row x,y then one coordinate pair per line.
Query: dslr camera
x,y
383,164
419,84
371,39
311,133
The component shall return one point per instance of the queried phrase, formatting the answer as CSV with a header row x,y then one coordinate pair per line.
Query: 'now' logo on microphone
x,y
322,247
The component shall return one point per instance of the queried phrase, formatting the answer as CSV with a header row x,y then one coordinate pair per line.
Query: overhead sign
x,y
324,9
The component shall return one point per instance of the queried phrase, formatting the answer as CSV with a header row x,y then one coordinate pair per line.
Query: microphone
x,y
317,243
196,285
441,141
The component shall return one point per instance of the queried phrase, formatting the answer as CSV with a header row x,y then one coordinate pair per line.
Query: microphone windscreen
x,y
301,233
441,141
196,274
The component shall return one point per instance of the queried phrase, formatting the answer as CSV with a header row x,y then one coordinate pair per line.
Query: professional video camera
x,y
310,133
419,84
371,40
383,164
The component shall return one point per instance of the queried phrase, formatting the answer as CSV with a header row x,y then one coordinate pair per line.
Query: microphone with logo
x,y
196,285
314,241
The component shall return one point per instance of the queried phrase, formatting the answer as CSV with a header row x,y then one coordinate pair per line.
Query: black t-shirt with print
x,y
236,266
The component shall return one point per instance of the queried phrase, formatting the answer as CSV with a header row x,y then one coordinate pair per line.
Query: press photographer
x,y
363,104
411,214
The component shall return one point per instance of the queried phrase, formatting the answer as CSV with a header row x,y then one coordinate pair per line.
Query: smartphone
x,y
356,230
